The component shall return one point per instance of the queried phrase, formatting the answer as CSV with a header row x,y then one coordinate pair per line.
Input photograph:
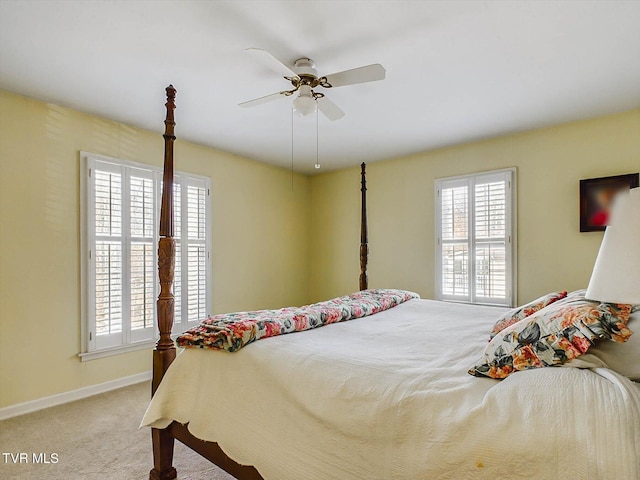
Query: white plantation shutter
x,y
191,230
142,266
107,255
108,286
490,239
455,240
178,292
475,241
196,252
121,214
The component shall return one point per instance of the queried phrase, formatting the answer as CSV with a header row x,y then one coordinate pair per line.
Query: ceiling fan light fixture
x,y
305,104
303,77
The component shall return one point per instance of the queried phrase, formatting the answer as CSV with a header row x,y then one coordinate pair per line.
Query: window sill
x,y
108,352
467,302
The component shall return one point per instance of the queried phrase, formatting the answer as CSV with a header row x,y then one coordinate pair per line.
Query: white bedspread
x,y
389,397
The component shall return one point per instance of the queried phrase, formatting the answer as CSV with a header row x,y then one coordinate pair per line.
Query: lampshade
x,y
305,104
616,273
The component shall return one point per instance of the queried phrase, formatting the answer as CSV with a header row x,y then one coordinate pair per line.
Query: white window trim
x,y
87,350
512,272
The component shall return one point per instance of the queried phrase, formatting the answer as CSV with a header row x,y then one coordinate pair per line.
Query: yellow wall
x,y
552,253
260,252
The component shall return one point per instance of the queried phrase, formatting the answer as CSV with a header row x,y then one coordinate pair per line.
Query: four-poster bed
x,y
386,397
165,351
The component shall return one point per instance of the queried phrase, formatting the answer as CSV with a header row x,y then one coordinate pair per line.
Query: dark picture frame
x,y
596,196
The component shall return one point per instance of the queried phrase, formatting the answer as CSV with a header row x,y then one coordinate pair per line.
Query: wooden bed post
x,y
165,351
364,236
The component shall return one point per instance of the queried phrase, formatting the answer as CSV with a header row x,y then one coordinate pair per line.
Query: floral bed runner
x,y
232,331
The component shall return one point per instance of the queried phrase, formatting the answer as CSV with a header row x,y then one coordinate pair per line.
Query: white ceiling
x,y
456,71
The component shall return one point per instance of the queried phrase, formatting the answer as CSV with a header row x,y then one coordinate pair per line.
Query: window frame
x,y
510,237
132,340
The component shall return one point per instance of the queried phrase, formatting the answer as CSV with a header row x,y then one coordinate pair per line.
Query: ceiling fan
x,y
304,78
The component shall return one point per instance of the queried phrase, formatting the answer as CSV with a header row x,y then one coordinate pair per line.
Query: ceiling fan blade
x,y
265,99
329,109
272,62
369,73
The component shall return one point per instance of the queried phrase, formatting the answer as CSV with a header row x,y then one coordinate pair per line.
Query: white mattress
x,y
389,397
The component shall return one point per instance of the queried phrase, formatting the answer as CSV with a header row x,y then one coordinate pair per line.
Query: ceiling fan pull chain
x,y
292,148
317,165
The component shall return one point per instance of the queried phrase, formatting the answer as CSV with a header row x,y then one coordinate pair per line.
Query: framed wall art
x,y
596,196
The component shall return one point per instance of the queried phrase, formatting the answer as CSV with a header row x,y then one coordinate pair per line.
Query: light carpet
x,y
93,438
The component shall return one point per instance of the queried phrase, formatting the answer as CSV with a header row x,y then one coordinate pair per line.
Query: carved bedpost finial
x,y
364,236
171,106
171,93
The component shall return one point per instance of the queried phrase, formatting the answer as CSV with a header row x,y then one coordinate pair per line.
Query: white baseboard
x,y
80,393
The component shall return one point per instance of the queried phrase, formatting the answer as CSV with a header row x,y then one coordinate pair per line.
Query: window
x,y
475,238
121,211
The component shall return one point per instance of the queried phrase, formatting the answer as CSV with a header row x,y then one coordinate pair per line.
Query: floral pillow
x,y
554,335
516,314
